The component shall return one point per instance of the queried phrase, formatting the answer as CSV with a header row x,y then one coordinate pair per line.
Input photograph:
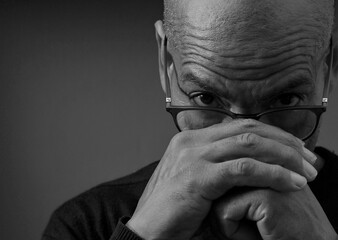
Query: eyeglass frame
x,y
318,110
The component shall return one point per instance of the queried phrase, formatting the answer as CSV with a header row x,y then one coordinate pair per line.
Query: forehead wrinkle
x,y
243,61
199,71
246,67
302,69
233,63
253,73
227,58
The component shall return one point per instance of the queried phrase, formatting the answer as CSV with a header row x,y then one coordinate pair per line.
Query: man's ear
x,y
160,35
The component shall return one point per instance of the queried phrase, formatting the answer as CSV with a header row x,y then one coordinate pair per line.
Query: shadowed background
x,y
80,103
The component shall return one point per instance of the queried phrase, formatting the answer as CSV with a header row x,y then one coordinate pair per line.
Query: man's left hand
x,y
267,214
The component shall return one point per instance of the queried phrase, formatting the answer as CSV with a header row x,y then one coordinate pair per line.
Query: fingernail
x,y
298,180
310,155
310,171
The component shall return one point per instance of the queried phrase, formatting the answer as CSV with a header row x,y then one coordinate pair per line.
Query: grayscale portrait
x,y
173,119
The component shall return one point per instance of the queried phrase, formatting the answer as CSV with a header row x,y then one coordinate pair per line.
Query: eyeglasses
x,y
301,121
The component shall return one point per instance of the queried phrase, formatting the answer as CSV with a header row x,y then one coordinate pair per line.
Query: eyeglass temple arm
x,y
325,100
165,71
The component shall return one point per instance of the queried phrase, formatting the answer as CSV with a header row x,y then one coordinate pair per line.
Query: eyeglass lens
x,y
300,123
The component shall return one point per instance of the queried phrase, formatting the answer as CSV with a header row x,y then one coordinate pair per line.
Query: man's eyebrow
x,y
294,82
203,83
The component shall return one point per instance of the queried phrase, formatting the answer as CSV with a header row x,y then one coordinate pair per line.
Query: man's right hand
x,y
200,166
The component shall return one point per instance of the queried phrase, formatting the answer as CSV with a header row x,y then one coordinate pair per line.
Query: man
x,y
246,82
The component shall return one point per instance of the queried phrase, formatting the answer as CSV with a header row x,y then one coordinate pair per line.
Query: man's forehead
x,y
259,19
246,39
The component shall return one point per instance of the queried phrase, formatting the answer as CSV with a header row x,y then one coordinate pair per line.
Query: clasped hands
x,y
243,179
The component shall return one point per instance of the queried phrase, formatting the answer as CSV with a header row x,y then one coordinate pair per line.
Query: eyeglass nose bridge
x,y
244,116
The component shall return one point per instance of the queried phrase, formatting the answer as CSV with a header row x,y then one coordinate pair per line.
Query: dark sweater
x,y
101,212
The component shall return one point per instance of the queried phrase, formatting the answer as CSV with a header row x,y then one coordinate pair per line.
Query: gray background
x,y
80,103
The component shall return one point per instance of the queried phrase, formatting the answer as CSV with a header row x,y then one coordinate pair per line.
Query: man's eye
x,y
287,100
205,100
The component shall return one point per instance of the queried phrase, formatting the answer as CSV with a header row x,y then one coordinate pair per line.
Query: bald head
x,y
248,20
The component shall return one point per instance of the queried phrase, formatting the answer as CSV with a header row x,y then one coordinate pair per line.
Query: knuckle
x,y
294,157
181,139
243,167
288,152
205,153
248,140
277,174
292,141
184,154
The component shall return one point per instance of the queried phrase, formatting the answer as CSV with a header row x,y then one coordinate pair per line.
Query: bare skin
x,y
293,215
200,168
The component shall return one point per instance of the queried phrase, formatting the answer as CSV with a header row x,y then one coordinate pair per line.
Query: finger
x,y
250,206
262,149
230,216
221,177
237,127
